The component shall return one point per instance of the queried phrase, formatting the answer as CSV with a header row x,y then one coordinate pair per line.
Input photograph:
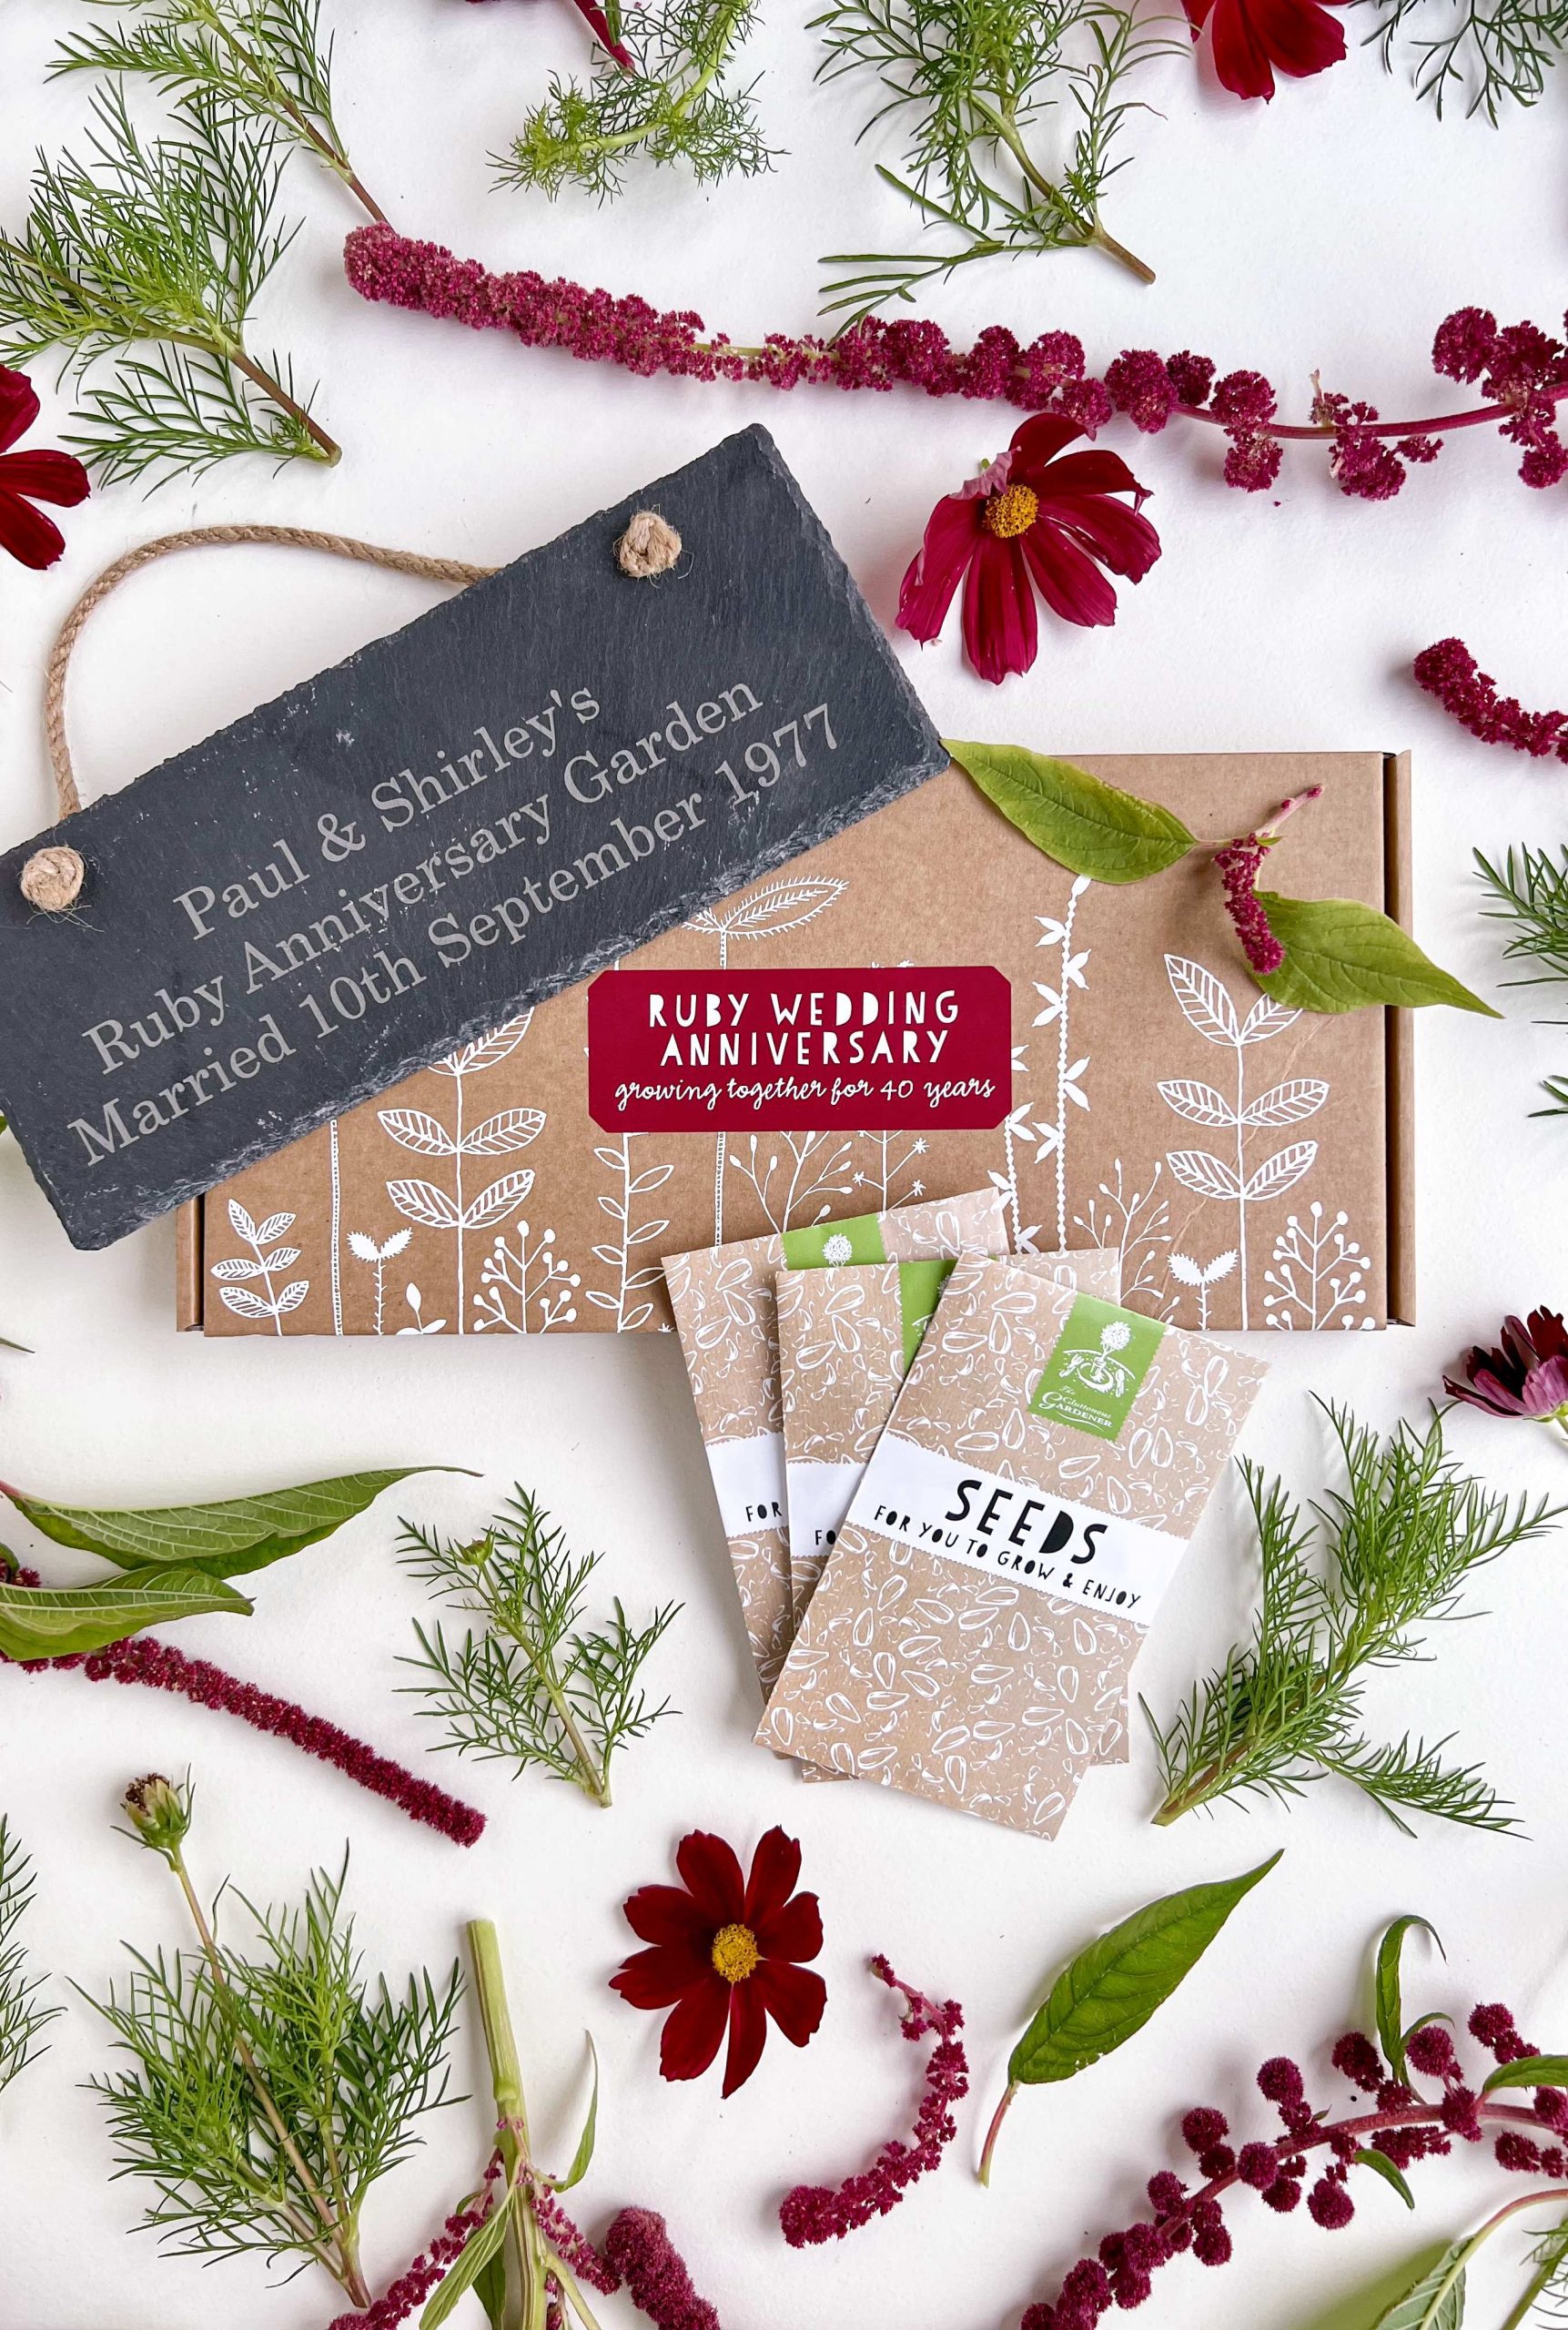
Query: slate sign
x,y
464,818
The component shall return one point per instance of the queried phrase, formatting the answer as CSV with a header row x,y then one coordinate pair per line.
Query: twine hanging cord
x,y
52,877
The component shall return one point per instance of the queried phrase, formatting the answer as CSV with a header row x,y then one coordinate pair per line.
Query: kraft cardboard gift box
x,y
1251,1166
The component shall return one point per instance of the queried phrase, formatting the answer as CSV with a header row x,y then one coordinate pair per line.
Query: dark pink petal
x,y
793,1996
1549,1334
1071,584
1546,1387
748,2029
667,1913
775,1870
31,538
926,594
712,1875
1097,471
46,477
690,2038
1120,538
792,1932
999,625
1239,58
1038,441
655,1979
1491,1391
18,406
1299,36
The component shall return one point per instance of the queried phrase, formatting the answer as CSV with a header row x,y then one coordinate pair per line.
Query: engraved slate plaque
x,y
464,818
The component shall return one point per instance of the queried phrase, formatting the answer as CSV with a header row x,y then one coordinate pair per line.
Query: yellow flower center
x,y
735,1953
1012,511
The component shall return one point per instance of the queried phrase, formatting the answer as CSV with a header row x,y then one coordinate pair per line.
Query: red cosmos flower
x,y
1029,522
1528,1377
727,1952
26,478
1253,39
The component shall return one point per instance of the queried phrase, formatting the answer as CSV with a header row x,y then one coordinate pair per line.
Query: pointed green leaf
x,y
585,2152
1341,956
1112,1988
1086,826
1384,2167
1364,2306
1391,2032
227,1540
490,2288
1436,2302
1532,2071
476,2253
37,1623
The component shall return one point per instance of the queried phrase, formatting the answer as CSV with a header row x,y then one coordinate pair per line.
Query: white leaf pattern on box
x,y
1319,1275
1207,1007
265,1260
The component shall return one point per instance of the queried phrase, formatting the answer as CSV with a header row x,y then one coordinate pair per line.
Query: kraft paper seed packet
x,y
722,1299
1046,1462
846,1340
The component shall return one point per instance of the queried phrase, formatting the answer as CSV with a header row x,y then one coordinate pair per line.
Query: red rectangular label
x,y
735,1051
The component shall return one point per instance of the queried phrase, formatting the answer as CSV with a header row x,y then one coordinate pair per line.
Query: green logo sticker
x,y
1096,1370
828,1245
920,1286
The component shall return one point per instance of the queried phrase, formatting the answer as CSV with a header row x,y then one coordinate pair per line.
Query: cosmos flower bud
x,y
159,1814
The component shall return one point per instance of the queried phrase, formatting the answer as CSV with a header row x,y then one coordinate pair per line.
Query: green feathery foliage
x,y
530,1688
265,61
153,253
22,2019
974,77
267,2091
679,104
1398,1545
1530,890
1483,54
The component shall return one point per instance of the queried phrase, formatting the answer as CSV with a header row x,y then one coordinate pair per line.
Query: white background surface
x,y
1332,230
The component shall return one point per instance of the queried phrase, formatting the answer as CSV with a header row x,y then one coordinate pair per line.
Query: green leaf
x,y
38,1622
1111,1989
1088,826
1436,2302
1391,2032
1532,2071
227,1540
490,2288
585,2152
1364,2307
1341,956
1384,2167
476,2253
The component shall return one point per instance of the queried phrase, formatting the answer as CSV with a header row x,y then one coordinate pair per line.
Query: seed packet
x,y
723,1297
1023,1513
845,1343
846,1339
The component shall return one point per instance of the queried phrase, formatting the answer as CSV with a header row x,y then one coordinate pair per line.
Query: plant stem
x,y
1103,241
328,448
341,2234
995,2130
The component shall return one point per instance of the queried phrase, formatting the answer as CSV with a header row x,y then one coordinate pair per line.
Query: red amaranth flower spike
x,y
1523,370
1239,863
1402,2126
1448,670
143,1659
639,2248
423,2278
817,2213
